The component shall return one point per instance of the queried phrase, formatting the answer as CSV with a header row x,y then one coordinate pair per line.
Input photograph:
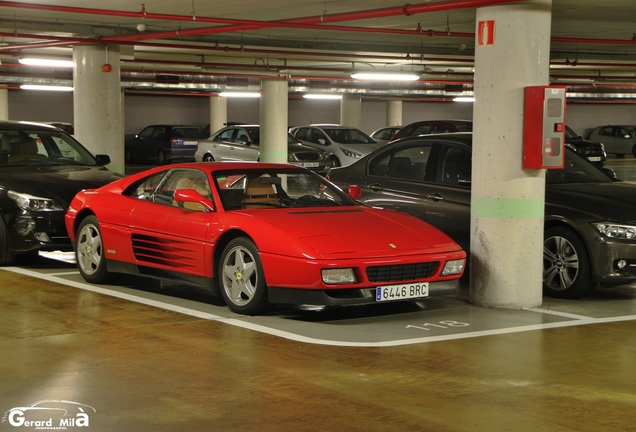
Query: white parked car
x,y
346,144
241,143
618,140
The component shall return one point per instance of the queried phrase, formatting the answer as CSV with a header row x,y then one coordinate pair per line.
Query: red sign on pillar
x,y
486,32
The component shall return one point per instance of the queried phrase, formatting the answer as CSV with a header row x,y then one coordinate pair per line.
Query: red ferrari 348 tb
x,y
259,234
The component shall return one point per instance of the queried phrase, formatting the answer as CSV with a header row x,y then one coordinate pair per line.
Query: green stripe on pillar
x,y
508,208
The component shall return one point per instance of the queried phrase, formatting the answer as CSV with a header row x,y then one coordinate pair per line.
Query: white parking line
x,y
243,322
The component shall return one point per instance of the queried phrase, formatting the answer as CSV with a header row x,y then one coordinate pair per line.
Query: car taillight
x,y
174,142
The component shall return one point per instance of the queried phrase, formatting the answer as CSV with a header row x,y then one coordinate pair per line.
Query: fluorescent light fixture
x,y
322,96
46,87
372,76
240,94
46,62
464,99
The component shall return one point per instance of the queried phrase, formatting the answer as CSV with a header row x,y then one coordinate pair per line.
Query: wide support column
x,y
218,113
507,202
4,104
98,102
351,110
394,113
273,120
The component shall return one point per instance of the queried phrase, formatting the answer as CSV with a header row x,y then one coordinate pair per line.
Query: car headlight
x,y
453,267
352,154
338,276
616,230
291,157
33,203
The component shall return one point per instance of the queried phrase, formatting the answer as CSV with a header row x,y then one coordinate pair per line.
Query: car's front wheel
x,y
161,157
241,277
335,162
208,158
89,252
566,265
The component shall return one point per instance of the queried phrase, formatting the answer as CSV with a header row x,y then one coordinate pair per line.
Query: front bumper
x,y
349,297
43,231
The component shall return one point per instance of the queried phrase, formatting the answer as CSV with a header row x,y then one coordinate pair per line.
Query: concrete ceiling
x,y
200,46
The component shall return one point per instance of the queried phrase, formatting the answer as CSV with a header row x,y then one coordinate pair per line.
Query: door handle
x,y
435,197
376,187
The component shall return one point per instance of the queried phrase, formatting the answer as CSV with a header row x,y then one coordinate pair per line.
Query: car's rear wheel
x,y
89,252
566,265
6,256
241,277
208,158
161,157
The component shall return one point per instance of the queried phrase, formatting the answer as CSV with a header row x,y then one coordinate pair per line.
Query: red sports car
x,y
259,234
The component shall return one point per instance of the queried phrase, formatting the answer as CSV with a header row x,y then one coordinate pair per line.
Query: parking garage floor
x,y
148,356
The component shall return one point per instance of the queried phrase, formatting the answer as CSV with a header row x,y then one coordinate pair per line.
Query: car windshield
x,y
348,136
576,170
277,188
41,147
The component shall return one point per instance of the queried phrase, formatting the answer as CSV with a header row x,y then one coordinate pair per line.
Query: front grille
x,y
402,272
307,156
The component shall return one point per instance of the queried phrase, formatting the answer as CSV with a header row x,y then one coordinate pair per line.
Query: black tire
x,y
6,256
335,162
208,158
128,158
241,278
89,252
634,151
161,158
566,264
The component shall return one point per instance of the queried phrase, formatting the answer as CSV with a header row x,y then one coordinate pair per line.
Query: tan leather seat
x,y
26,149
259,195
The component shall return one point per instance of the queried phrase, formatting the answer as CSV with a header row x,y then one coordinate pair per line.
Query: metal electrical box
x,y
544,127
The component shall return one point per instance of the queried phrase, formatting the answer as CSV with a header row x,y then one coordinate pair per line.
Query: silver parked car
x,y
241,143
618,140
346,144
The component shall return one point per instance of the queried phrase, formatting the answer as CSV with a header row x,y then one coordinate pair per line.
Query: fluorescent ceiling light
x,y
45,87
322,96
372,76
240,94
46,62
464,99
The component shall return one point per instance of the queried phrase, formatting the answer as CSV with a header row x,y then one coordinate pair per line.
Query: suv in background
x,y
617,139
346,144
592,151
161,144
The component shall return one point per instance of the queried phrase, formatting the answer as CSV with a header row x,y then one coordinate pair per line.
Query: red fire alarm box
x,y
544,127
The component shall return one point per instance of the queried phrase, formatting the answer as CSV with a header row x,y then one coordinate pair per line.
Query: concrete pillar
x,y
4,104
351,110
218,113
273,120
394,113
507,202
98,102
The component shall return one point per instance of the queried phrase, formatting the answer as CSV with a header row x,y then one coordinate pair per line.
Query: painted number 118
x,y
440,325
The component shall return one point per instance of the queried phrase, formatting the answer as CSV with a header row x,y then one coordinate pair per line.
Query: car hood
x,y
59,183
578,143
614,201
341,232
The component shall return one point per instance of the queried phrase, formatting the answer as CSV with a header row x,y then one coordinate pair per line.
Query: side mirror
x,y
192,196
354,191
322,141
103,159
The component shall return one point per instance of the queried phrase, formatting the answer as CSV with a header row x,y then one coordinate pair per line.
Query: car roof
x,y
464,137
20,125
222,166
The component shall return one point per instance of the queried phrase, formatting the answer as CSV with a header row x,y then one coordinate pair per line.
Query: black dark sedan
x,y
163,143
41,170
591,150
590,219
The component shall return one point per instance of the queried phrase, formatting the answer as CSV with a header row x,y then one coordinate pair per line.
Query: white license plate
x,y
401,292
311,164
595,159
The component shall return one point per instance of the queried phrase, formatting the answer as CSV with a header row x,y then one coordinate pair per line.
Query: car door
x,y
607,135
448,190
166,235
396,179
233,144
141,146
